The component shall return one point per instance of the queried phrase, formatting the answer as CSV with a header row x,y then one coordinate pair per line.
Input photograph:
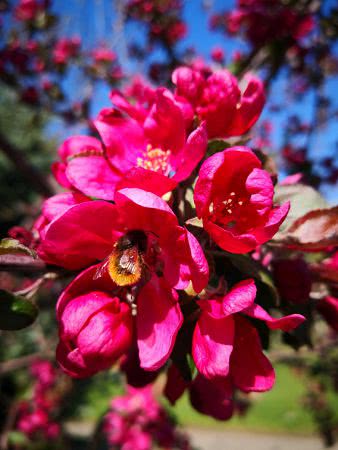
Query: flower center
x,y
228,210
155,159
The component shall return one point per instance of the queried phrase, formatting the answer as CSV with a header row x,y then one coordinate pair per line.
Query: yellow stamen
x,y
155,159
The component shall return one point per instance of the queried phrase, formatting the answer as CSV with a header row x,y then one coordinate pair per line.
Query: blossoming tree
x,y
169,247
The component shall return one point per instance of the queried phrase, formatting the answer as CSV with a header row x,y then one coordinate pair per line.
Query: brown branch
x,y
22,361
16,263
31,174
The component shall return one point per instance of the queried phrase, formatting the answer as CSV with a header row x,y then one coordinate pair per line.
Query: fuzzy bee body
x,y
125,263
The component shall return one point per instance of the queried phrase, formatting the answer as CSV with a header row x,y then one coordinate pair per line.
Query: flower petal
x,y
93,176
251,105
231,242
212,397
198,265
78,144
212,345
82,235
250,368
159,319
241,296
147,180
286,323
259,185
185,161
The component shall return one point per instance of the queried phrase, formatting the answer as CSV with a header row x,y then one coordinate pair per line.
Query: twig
x,y
22,361
16,263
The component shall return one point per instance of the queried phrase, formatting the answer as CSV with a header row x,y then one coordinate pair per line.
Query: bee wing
x,y
100,270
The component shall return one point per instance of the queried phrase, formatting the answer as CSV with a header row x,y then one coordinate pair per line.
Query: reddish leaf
x,y
315,230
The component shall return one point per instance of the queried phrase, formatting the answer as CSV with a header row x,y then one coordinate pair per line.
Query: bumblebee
x,y
125,264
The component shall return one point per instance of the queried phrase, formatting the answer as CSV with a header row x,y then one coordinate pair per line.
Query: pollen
x,y
228,206
155,159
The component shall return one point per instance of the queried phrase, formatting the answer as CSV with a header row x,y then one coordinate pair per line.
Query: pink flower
x,y
218,100
226,345
152,152
27,10
95,327
137,421
217,54
103,55
44,372
65,49
234,197
165,255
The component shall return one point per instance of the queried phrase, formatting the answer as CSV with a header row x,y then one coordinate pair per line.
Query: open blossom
x,y
161,255
218,99
227,352
153,153
234,197
226,344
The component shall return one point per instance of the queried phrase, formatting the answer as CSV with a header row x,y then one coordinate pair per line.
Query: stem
x,y
22,361
15,263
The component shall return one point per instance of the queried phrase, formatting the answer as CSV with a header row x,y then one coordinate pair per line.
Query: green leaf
x,y
15,312
217,145
17,438
195,222
192,366
9,246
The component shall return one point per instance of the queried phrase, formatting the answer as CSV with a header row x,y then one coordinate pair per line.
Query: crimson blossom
x,y
137,421
227,352
144,148
226,344
234,197
217,98
95,311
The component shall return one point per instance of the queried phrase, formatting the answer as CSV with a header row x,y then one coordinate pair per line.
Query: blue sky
x,y
93,20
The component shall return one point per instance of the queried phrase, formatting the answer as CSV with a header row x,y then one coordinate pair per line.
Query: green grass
x,y
278,411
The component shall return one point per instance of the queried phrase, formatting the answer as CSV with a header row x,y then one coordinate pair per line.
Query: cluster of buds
x,y
264,21
136,421
163,18
36,417
34,59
